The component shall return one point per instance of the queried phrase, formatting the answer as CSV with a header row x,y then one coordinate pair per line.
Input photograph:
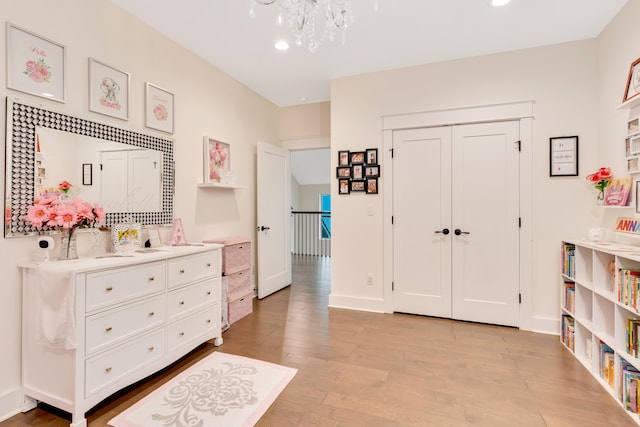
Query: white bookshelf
x,y
597,314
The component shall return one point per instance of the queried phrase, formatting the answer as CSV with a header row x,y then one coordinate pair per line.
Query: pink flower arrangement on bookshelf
x,y
58,213
600,179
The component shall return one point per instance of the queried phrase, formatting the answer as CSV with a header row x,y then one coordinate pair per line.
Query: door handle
x,y
458,232
262,228
444,231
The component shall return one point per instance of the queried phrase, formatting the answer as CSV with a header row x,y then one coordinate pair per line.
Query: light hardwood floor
x,y
367,369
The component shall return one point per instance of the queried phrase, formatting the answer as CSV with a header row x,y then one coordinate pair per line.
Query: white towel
x,y
55,315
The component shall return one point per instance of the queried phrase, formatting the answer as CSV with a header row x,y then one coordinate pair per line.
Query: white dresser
x,y
91,327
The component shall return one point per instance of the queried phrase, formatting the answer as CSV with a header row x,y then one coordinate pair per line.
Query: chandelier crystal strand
x,y
303,17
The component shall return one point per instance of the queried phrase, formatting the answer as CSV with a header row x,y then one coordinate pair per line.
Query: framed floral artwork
x,y
35,65
108,90
159,108
217,161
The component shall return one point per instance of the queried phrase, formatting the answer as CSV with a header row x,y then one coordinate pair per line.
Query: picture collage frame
x,y
358,171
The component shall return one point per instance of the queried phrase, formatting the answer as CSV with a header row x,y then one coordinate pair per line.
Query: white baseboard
x,y
10,403
545,325
356,303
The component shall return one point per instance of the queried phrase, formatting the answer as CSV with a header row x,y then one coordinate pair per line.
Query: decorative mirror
x,y
130,174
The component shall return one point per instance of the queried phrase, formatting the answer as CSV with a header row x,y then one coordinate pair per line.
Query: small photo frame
x,y
637,184
627,147
87,174
125,238
357,172
372,156
343,158
108,90
357,186
357,157
563,156
633,81
217,160
35,64
343,186
159,108
372,171
632,126
372,185
633,165
343,172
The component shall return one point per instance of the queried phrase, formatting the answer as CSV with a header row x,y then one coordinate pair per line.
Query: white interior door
x,y
274,219
455,222
485,205
421,221
145,180
113,179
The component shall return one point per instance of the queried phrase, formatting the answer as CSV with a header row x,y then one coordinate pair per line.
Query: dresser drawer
x,y
114,286
236,257
105,329
192,297
240,307
190,268
239,284
184,331
112,366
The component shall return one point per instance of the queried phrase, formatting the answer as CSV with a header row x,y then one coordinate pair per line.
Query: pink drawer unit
x,y
240,308
236,254
239,284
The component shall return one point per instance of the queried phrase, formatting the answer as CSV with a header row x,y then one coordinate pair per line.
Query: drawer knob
x,y
181,334
109,329
208,320
151,279
108,370
241,299
181,302
208,292
151,348
208,264
181,270
153,313
240,247
109,288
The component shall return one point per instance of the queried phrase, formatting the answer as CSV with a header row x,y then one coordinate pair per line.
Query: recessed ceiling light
x,y
282,45
498,2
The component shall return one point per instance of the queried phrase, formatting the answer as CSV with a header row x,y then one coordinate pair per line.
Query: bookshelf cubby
x,y
600,309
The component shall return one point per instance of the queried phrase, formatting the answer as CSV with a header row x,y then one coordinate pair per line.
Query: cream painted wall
x,y
561,79
207,102
305,121
309,196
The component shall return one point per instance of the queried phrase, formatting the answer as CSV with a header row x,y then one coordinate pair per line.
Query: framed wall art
x,y
108,90
35,64
372,185
372,171
159,108
563,156
343,186
372,156
633,81
357,186
357,157
343,172
357,172
343,158
87,174
217,160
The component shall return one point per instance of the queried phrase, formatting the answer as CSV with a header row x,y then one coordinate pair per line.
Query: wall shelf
x,y
221,186
633,102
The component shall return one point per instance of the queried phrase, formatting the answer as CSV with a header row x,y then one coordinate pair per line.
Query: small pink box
x,y
240,308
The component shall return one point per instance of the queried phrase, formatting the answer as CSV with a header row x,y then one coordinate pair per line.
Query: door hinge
x,y
519,298
520,222
519,143
391,219
393,286
100,166
391,153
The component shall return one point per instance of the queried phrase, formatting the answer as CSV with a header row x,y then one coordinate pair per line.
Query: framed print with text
x,y
159,105
563,156
108,90
35,65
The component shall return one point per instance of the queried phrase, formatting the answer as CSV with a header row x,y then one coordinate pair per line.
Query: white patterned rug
x,y
220,390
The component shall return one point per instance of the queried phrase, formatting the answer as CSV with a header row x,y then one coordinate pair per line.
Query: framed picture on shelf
x,y
633,165
159,108
355,186
627,147
372,185
634,142
217,160
343,158
357,172
343,172
372,156
125,237
632,126
343,186
35,65
633,81
563,156
357,157
108,90
372,171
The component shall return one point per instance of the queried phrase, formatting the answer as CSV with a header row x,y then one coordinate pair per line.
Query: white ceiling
x,y
401,33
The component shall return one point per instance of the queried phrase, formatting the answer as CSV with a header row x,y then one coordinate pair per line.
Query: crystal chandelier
x,y
312,21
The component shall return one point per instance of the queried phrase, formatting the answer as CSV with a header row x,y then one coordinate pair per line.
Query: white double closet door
x,y
456,222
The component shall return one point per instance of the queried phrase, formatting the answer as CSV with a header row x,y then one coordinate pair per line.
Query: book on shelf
x,y
629,386
607,364
569,296
628,288
568,259
568,331
617,192
633,332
